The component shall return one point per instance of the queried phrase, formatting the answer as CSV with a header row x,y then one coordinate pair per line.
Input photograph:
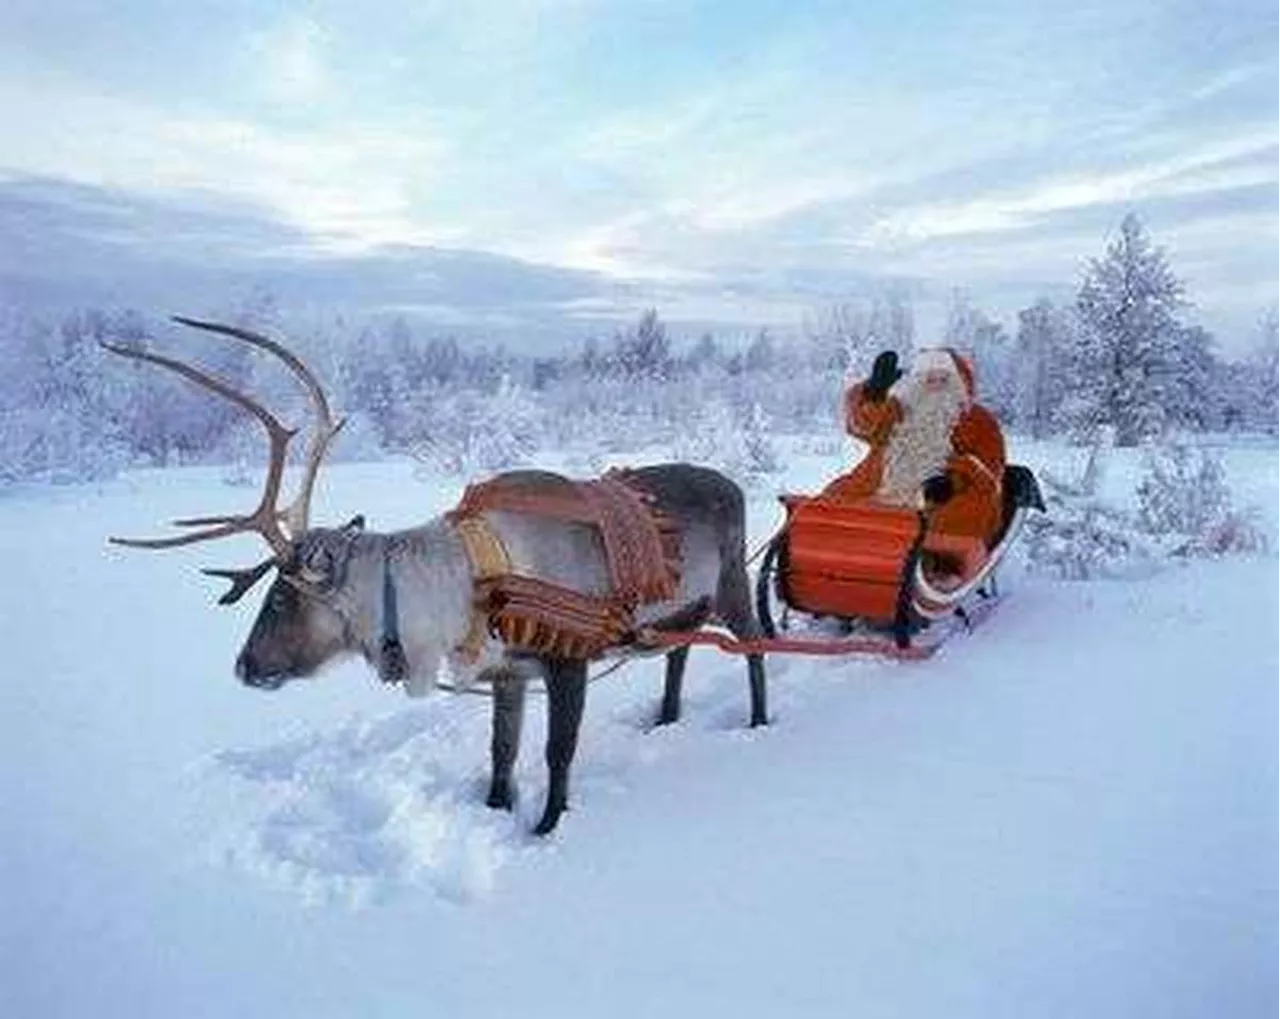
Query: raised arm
x,y
869,411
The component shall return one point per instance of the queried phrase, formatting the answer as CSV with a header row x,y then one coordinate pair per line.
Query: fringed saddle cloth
x,y
642,553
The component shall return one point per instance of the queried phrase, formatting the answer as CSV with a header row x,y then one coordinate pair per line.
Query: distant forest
x,y
1123,355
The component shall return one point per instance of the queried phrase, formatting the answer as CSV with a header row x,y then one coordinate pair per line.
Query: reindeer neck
x,y
431,542
415,592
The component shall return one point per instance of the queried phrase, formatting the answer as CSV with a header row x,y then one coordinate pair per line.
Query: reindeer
x,y
406,601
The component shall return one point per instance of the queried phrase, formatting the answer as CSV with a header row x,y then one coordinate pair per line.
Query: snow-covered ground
x,y
1071,812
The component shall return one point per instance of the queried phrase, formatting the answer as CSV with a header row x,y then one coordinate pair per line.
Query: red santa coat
x,y
975,463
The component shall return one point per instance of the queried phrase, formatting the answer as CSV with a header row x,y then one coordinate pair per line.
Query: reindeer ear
x,y
353,526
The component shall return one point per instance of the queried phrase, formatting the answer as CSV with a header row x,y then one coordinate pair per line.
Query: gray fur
x,y
328,600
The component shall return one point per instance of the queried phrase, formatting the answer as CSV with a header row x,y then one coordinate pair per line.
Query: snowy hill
x,y
1071,812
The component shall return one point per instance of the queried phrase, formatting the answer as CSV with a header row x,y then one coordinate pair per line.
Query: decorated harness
x,y
642,556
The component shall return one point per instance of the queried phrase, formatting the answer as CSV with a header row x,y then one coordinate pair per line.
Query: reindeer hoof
x,y
549,821
500,798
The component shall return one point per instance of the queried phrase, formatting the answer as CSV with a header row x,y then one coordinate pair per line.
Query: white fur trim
x,y
920,444
934,359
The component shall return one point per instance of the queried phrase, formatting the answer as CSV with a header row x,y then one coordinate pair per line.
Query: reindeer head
x,y
300,625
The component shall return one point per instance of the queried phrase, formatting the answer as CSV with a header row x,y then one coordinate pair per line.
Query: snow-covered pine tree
x,y
761,453
761,355
993,367
643,352
1195,401
1131,351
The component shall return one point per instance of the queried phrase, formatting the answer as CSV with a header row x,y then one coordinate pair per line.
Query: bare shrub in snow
x,y
1185,504
1184,510
1239,532
1183,490
1082,538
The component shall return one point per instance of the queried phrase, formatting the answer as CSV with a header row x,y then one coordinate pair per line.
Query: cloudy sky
x,y
735,160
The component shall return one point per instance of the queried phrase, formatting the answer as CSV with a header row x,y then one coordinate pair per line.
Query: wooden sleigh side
x,y
882,566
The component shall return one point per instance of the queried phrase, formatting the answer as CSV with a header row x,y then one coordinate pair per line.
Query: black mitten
x,y
884,373
938,489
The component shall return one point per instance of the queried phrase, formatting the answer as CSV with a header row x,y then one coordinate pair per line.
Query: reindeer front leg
x,y
566,692
508,714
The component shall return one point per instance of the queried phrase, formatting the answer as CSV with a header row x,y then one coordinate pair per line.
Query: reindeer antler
x,y
266,519
297,514
241,580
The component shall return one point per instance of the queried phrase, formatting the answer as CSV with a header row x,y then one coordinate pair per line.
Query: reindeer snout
x,y
250,672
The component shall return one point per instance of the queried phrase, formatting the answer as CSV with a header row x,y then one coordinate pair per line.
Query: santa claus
x,y
931,446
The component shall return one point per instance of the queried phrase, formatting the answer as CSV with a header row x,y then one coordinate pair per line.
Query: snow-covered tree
x,y
762,354
985,342
1038,377
1132,351
737,440
64,405
846,337
1183,490
1259,393
470,432
644,350
993,367
761,453
705,354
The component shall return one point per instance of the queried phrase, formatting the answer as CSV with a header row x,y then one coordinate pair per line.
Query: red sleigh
x,y
880,573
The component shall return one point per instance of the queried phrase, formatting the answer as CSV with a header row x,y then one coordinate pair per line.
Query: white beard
x,y
920,444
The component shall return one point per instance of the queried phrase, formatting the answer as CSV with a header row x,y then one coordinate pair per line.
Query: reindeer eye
x,y
317,567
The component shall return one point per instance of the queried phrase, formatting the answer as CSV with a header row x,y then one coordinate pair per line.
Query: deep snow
x,y
1071,812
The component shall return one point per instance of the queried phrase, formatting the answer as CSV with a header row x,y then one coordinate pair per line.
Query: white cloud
x,y
350,185
1231,78
1199,171
288,62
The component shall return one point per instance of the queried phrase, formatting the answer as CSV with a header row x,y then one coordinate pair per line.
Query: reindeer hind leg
x,y
566,693
733,605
